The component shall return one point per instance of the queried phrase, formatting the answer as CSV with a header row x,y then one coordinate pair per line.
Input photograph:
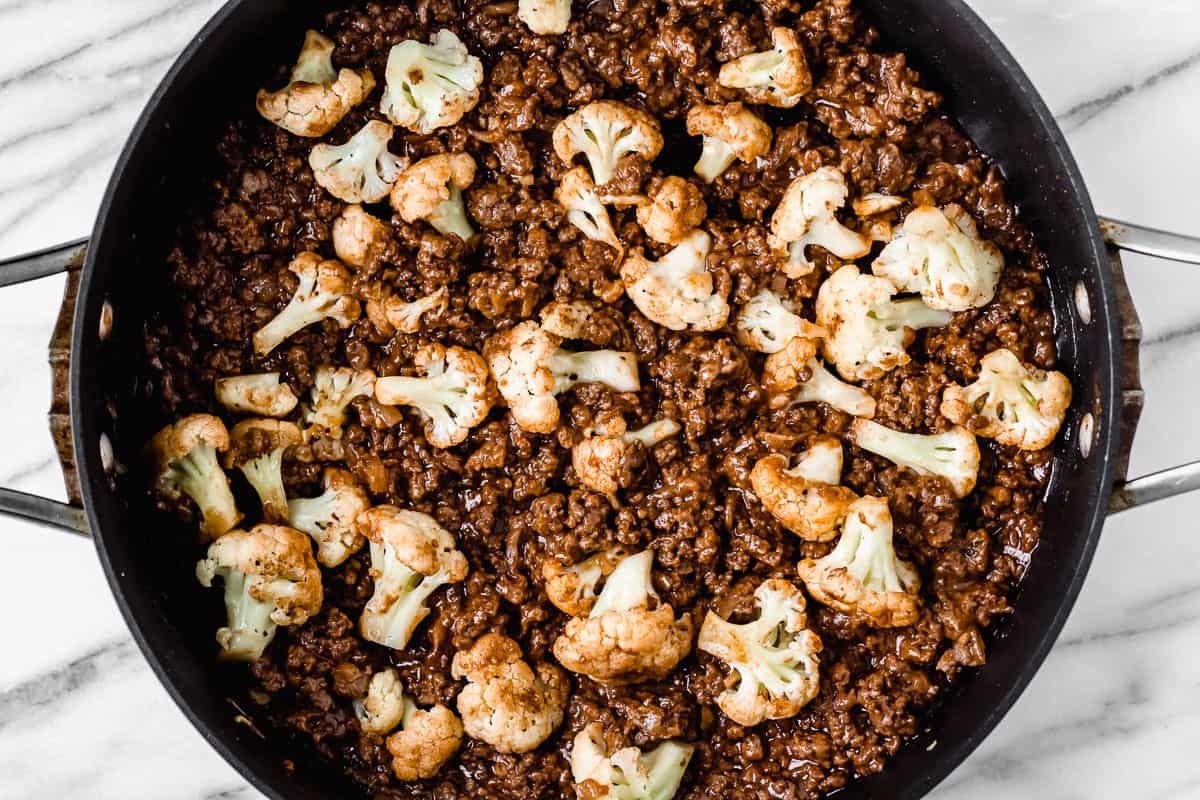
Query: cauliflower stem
x,y
954,455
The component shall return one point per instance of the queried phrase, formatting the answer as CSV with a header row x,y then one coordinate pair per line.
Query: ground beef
x,y
511,497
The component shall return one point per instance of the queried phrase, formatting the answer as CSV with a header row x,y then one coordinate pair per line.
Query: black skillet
x,y
121,271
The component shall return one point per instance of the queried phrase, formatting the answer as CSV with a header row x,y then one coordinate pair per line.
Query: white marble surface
x,y
1115,712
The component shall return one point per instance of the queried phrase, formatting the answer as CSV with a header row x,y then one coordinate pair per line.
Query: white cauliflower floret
x,y
323,293
331,517
431,86
318,96
606,131
360,171
731,133
573,589
806,499
1016,405
862,575
545,17
677,291
261,394
767,324
432,189
628,773
426,740
938,253
531,369
506,703
622,640
257,447
271,579
598,458
332,391
586,206
383,707
411,557
454,396
866,330
357,236
672,210
566,319
406,317
795,375
775,658
776,77
185,462
954,455
875,203
807,215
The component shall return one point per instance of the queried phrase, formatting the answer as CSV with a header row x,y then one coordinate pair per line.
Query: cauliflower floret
x,y
673,209
731,133
318,96
939,254
270,579
257,447
454,396
432,189
431,86
628,773
573,589
506,703
426,740
357,236
383,707
866,330
875,203
807,215
185,462
784,380
598,458
256,394
586,206
406,317
862,575
606,131
777,77
330,517
566,319
545,17
360,171
1011,403
954,455
768,324
411,557
677,291
332,391
806,499
775,657
323,293
621,640
531,369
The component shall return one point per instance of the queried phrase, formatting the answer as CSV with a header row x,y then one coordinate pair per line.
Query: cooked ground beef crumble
x,y
512,498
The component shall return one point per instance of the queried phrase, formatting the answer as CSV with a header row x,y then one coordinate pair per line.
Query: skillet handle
x,y
51,513
1129,493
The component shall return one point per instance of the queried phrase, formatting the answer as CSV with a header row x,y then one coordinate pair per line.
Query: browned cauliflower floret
x,y
775,658
806,499
323,293
426,740
954,455
585,206
185,462
256,394
383,707
454,396
331,517
622,640
360,171
271,579
432,189
677,291
506,703
407,317
598,458
674,208
357,236
545,16
318,96
795,375
531,369
430,86
257,447
332,392
606,131
1015,405
776,77
566,319
573,589
731,133
862,575
875,203
627,773
411,557
807,215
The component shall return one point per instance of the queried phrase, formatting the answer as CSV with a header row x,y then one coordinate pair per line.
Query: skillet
x,y
98,418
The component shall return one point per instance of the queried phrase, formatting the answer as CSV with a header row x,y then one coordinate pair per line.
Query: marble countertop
x,y
1115,711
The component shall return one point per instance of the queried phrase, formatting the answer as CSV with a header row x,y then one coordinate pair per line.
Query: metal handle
x,y
1174,247
42,510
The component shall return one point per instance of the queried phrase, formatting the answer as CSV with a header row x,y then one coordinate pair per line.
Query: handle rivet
x,y
106,321
1087,427
108,458
1083,303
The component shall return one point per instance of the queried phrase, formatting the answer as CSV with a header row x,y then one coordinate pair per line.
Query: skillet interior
x,y
153,580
